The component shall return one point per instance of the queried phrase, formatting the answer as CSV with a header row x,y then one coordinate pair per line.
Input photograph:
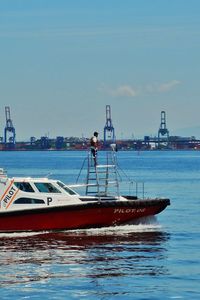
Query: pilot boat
x,y
44,204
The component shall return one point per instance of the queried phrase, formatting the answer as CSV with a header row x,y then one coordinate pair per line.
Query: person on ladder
x,y
94,146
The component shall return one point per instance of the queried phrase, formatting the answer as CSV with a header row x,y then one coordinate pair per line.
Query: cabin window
x,y
24,186
46,187
29,201
66,188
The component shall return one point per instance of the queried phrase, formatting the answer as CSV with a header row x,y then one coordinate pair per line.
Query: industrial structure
x,y
9,131
163,132
109,131
163,141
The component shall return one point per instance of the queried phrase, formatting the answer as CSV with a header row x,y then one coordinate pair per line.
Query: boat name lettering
x,y
128,210
9,194
49,199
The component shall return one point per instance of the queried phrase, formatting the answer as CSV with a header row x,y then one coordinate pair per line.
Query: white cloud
x,y
167,86
151,88
124,90
120,91
154,88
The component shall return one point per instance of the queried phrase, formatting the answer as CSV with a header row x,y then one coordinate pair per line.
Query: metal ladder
x,y
102,178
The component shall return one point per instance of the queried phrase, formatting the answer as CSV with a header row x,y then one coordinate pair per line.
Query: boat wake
x,y
21,234
147,224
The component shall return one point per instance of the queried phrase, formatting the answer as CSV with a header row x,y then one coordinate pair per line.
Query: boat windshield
x,y
66,188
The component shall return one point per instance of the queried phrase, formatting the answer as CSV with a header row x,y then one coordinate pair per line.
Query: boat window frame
x,y
29,201
45,184
22,186
66,188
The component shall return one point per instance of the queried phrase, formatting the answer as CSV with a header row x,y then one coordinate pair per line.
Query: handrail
x,y
81,169
120,173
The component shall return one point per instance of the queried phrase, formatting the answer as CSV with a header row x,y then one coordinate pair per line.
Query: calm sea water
x,y
156,259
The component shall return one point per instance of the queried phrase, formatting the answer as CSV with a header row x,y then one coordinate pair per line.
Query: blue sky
x,y
63,61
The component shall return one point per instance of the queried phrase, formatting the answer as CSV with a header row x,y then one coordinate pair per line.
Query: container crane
x,y
109,131
9,141
163,131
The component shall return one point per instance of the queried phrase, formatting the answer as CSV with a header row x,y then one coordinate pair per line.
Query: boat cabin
x,y
19,193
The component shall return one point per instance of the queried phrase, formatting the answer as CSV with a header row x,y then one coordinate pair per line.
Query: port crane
x,y
9,131
109,131
163,132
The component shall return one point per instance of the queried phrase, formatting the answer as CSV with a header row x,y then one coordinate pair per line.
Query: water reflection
x,y
74,255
